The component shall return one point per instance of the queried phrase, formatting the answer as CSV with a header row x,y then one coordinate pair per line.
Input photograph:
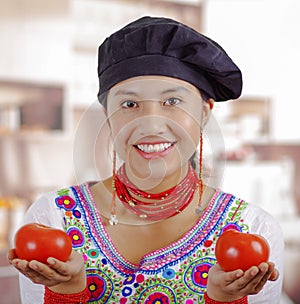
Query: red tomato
x,y
236,250
39,242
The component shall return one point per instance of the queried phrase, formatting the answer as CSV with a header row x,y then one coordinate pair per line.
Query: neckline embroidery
x,y
170,253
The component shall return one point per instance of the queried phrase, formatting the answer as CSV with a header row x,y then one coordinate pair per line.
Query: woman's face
x,y
155,123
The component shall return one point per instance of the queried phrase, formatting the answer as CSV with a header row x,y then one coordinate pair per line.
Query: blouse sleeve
x,y
262,223
42,211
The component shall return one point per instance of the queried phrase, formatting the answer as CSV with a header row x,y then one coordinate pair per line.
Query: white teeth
x,y
154,148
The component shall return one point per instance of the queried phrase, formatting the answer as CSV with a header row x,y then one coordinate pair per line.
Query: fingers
x,y
63,268
58,266
11,255
267,272
241,280
40,273
228,277
225,280
23,267
233,276
46,274
230,285
254,278
55,270
259,280
274,275
238,283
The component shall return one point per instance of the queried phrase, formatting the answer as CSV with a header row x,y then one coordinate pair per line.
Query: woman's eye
x,y
129,104
171,101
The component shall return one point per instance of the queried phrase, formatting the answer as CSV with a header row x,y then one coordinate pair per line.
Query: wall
x,y
277,152
35,40
263,38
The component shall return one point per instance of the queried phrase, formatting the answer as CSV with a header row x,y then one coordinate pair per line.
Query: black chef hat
x,y
161,46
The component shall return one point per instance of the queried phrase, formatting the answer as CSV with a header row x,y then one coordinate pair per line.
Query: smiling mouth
x,y
152,148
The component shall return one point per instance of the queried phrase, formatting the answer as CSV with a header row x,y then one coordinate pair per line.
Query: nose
x,y
153,121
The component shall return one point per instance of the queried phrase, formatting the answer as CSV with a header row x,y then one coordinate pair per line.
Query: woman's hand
x,y
229,286
61,277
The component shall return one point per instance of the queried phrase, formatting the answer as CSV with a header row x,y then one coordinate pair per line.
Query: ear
x,y
207,108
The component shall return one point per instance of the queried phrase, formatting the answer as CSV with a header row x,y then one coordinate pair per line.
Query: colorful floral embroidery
x,y
96,286
157,293
65,202
200,274
93,253
175,274
77,213
233,226
158,297
76,236
195,275
169,273
130,279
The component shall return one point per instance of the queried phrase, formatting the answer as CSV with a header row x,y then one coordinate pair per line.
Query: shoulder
x,y
261,222
261,219
45,209
252,212
258,219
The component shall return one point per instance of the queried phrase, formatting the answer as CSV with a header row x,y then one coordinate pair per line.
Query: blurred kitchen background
x,y
51,126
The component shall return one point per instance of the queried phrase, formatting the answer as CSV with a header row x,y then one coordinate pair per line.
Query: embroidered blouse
x,y
176,273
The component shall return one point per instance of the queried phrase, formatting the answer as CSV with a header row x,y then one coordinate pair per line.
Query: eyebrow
x,y
125,92
171,90
176,89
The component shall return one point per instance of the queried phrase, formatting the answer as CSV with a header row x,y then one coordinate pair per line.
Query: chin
x,y
158,168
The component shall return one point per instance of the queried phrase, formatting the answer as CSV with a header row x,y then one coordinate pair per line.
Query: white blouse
x,y
45,211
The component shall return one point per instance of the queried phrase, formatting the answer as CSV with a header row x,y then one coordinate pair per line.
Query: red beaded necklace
x,y
156,206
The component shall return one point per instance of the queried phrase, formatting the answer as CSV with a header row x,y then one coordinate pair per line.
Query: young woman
x,y
148,233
